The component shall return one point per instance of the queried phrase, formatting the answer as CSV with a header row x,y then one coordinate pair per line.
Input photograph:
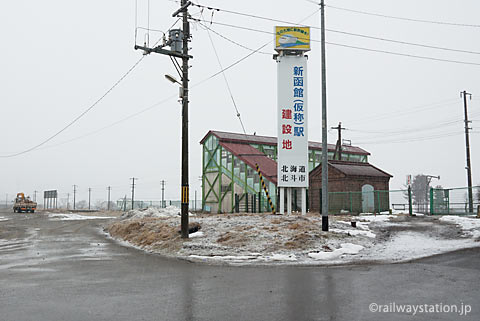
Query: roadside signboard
x,y
50,194
292,131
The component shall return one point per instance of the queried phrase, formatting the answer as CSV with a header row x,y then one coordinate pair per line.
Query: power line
x,y
356,47
409,140
405,19
402,42
226,82
404,111
404,54
344,32
405,130
253,51
79,116
233,41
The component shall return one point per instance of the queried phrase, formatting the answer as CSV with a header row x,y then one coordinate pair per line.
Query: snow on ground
x,y
75,217
346,248
470,224
169,211
243,238
410,245
2,219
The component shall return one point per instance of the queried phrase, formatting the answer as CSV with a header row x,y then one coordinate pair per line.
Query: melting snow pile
x,y
470,225
240,238
293,239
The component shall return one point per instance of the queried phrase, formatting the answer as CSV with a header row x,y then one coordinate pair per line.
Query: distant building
x,y
228,169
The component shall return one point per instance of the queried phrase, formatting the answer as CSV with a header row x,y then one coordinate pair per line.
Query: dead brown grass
x,y
233,239
144,232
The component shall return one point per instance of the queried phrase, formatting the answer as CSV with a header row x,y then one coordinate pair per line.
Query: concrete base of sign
x,y
289,201
281,200
304,201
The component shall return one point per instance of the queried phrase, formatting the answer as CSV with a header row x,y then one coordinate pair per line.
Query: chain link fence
x,y
445,201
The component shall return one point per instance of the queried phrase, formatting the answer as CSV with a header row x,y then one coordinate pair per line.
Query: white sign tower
x,y
292,114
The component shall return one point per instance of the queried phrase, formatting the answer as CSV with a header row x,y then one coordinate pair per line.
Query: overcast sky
x,y
59,57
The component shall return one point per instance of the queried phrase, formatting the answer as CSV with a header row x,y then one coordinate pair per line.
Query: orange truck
x,y
24,204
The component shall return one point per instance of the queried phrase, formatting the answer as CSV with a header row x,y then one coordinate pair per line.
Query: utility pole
x,y
35,196
68,200
108,202
180,51
89,194
133,190
467,147
185,187
163,194
74,195
338,147
324,125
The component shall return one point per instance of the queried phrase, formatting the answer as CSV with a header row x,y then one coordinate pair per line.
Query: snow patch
x,y
196,234
470,225
283,257
376,218
76,217
412,245
3,219
353,232
169,211
346,248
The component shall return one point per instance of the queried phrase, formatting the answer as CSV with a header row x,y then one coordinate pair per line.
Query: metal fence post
x,y
254,203
410,206
431,201
259,202
246,202
237,205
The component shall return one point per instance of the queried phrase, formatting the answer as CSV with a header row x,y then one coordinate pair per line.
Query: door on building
x,y
368,199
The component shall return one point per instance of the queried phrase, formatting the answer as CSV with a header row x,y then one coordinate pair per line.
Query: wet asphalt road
x,y
68,270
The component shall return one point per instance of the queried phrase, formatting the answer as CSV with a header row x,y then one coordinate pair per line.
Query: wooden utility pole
x,y
133,190
467,147
324,125
163,194
338,147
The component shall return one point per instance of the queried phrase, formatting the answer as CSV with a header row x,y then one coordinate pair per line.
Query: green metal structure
x,y
225,174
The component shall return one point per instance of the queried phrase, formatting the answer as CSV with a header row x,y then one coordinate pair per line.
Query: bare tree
x,y
420,187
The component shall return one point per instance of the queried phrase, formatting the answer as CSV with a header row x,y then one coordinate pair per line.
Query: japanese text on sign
x,y
292,122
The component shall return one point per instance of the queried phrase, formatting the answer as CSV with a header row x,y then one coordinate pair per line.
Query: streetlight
x,y
173,79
